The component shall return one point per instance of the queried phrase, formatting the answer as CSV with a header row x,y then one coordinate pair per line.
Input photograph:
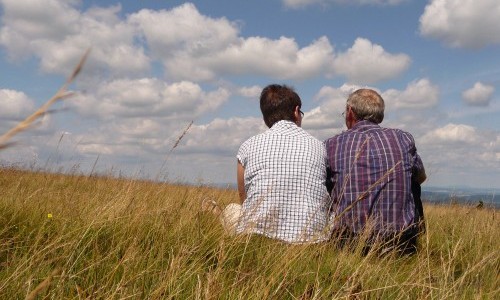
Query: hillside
x,y
67,236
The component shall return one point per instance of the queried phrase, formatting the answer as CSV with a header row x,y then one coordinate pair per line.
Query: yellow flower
x,y
49,216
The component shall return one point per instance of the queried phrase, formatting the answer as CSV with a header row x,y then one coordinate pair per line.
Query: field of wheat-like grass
x,y
87,237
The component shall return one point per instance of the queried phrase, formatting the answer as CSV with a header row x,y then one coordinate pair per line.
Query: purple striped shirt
x,y
372,170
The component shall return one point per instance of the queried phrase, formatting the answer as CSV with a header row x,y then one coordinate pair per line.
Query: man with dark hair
x,y
282,175
372,170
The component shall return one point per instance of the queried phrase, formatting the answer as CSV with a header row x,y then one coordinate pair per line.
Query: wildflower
x,y
49,216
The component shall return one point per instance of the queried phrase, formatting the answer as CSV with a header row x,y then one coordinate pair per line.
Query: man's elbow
x,y
421,177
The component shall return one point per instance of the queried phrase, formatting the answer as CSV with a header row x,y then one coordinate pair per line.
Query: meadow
x,y
91,237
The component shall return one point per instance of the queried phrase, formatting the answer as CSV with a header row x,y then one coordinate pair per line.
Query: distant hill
x,y
472,196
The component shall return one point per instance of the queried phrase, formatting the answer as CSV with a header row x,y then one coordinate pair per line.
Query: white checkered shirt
x,y
285,175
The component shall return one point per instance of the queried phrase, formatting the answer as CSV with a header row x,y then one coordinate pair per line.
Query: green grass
x,y
115,239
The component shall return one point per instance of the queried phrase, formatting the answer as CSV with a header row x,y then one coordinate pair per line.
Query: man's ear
x,y
297,116
296,113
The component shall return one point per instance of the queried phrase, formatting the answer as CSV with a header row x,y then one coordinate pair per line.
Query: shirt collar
x,y
364,123
283,124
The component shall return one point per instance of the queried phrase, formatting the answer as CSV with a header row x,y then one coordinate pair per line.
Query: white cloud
x,y
195,47
151,139
58,34
15,105
191,46
462,23
222,136
325,120
458,153
138,139
182,36
280,58
328,94
451,133
149,97
367,63
478,95
303,3
252,92
418,94
28,21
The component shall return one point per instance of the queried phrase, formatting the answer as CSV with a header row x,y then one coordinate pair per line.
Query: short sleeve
x,y
242,154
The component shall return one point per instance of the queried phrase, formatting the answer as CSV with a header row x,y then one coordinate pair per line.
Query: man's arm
x,y
420,176
241,182
418,172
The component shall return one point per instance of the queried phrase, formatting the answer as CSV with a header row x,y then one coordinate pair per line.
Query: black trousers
x,y
402,243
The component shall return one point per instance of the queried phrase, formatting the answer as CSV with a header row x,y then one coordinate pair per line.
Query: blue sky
x,y
157,65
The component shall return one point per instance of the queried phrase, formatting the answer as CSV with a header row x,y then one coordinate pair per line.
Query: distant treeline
x,y
489,200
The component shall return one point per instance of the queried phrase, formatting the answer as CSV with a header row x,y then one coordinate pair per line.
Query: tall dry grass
x,y
112,238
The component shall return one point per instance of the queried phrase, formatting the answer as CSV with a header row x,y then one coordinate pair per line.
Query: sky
x,y
155,66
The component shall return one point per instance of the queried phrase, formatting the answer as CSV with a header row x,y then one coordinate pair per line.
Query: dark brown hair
x,y
278,102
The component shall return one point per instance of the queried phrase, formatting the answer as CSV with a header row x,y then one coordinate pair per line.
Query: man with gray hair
x,y
372,169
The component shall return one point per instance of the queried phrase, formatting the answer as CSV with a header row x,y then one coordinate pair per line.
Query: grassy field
x,y
102,238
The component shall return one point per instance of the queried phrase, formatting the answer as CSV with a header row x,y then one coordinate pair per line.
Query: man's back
x,y
285,172
372,171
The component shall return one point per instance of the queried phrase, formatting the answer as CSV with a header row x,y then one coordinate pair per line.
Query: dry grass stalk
x,y
179,139
43,285
61,94
365,193
181,136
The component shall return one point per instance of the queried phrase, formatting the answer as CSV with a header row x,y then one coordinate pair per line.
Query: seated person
x,y
376,174
281,176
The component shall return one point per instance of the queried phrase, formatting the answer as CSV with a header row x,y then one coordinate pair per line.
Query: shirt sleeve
x,y
242,154
418,165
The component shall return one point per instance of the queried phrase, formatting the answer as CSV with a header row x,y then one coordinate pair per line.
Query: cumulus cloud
x,y
281,58
366,63
58,34
205,148
478,95
326,119
252,92
15,105
131,98
28,21
451,133
207,138
419,94
196,47
462,23
191,46
303,3
460,152
125,139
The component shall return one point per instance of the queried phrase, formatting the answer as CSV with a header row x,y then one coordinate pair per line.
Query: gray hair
x,y
367,104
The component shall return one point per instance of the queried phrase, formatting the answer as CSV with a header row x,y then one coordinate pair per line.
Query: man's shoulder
x,y
340,136
398,132
255,138
306,135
